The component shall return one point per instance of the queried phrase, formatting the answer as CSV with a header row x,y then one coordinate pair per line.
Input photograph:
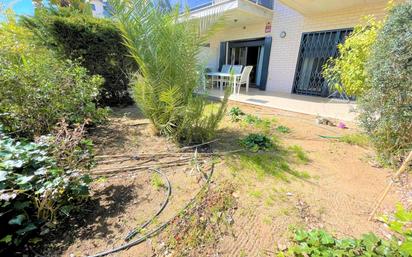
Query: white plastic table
x,y
224,75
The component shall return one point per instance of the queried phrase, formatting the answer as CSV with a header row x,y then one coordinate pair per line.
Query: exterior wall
x,y
99,5
284,51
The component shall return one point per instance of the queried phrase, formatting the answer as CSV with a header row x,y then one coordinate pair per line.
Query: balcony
x,y
243,12
308,7
194,5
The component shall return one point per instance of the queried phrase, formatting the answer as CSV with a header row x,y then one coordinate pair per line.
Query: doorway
x,y
249,52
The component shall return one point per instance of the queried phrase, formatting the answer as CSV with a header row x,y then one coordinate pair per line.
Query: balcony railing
x,y
197,4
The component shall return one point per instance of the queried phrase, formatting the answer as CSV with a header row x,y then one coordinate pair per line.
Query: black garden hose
x,y
135,231
158,229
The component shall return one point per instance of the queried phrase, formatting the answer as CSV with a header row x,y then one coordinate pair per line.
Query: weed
x,y
257,142
256,194
202,224
283,129
299,153
235,114
157,181
355,139
266,163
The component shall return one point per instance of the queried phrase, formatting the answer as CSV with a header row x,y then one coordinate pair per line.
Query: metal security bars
x,y
315,49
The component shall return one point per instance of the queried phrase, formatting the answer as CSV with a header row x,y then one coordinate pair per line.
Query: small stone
x,y
289,194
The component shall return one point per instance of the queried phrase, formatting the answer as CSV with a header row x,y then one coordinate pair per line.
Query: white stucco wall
x,y
284,51
98,7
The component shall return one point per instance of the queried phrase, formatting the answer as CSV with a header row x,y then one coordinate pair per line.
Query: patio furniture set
x,y
232,75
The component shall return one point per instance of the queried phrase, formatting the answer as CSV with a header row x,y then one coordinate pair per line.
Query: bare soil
x,y
338,195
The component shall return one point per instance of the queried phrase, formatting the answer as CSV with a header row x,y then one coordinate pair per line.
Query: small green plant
x,y
236,114
257,142
283,129
256,193
355,139
299,153
157,181
252,119
320,243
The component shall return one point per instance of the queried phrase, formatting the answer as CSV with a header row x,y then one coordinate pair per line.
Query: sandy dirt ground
x,y
338,195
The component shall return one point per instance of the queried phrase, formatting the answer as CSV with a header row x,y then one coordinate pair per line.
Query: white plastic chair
x,y
244,79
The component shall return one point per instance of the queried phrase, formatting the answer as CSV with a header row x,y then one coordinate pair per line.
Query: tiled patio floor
x,y
325,107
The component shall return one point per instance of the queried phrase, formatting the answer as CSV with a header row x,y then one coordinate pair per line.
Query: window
x,y
315,49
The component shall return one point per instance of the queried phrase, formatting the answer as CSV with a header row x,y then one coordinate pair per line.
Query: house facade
x,y
286,41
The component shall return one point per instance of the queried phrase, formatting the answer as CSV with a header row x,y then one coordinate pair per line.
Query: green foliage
x,y
34,190
96,43
157,181
320,243
236,114
355,139
401,224
166,46
283,129
386,108
264,125
37,89
257,142
347,73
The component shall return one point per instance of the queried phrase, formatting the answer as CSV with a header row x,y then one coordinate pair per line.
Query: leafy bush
x,y
37,89
236,114
257,142
95,42
386,108
34,190
69,146
166,46
320,243
347,73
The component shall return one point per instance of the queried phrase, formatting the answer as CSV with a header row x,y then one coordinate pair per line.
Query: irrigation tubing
x,y
135,231
158,229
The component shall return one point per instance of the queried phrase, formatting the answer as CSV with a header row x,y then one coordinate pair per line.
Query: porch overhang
x,y
309,7
235,11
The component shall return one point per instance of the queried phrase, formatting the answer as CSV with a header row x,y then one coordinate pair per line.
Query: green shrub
x,y
347,73
96,43
236,114
257,142
166,46
34,190
37,89
386,108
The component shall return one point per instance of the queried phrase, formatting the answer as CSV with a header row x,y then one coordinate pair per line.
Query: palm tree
x,y
166,46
